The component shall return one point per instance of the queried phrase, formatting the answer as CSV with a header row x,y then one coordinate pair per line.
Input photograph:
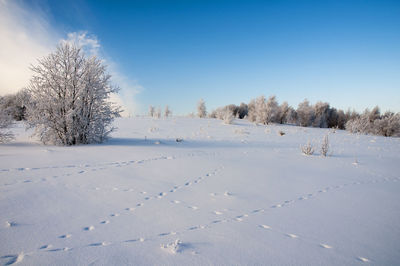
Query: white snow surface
x,y
237,194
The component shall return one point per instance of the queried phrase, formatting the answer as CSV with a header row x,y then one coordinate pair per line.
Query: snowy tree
x,y
243,110
371,122
305,114
201,109
388,125
15,104
5,123
261,110
167,111
272,110
151,111
282,113
291,116
157,113
321,115
70,98
251,111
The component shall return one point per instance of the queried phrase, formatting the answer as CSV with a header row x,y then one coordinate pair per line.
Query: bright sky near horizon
x,y
346,53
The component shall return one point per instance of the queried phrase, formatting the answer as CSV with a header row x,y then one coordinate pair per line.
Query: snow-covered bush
x,y
325,146
201,109
228,117
307,149
371,122
70,98
388,125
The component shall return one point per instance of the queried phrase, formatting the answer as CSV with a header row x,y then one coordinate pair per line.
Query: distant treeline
x,y
320,114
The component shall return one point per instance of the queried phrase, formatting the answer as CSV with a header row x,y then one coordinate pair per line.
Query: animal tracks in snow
x,y
13,259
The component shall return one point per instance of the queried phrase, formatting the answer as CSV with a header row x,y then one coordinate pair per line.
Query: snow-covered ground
x,y
226,195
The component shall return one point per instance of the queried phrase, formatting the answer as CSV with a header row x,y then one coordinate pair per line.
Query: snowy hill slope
x,y
226,195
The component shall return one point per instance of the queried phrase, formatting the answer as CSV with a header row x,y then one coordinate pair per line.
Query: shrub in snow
x,y
167,111
228,117
70,98
371,122
388,125
307,149
201,109
325,146
5,123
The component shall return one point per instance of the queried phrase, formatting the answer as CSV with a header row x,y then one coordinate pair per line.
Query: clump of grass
x,y
307,149
325,146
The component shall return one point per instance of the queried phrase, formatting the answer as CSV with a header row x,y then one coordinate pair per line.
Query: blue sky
x,y
344,52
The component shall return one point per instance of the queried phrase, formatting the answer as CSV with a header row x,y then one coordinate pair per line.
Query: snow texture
x,y
236,194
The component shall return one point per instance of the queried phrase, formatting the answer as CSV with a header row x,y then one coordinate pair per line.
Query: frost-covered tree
x,y
151,111
272,110
167,111
251,111
282,113
388,125
5,123
157,113
305,114
201,109
243,110
371,122
291,116
15,104
261,110
321,114
70,98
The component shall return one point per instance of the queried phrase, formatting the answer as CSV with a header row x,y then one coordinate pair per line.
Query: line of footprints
x,y
96,167
174,247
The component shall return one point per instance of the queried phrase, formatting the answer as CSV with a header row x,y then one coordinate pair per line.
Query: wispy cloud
x,y
26,36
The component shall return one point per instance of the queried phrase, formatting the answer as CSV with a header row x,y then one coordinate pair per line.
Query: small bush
x,y
307,149
325,146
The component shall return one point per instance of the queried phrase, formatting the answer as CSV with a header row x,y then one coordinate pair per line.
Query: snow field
x,y
228,194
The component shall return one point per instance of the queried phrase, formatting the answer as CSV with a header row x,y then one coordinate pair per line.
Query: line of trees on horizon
x,y
266,111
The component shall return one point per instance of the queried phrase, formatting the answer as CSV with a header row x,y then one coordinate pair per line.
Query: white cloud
x,y
26,36
89,43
